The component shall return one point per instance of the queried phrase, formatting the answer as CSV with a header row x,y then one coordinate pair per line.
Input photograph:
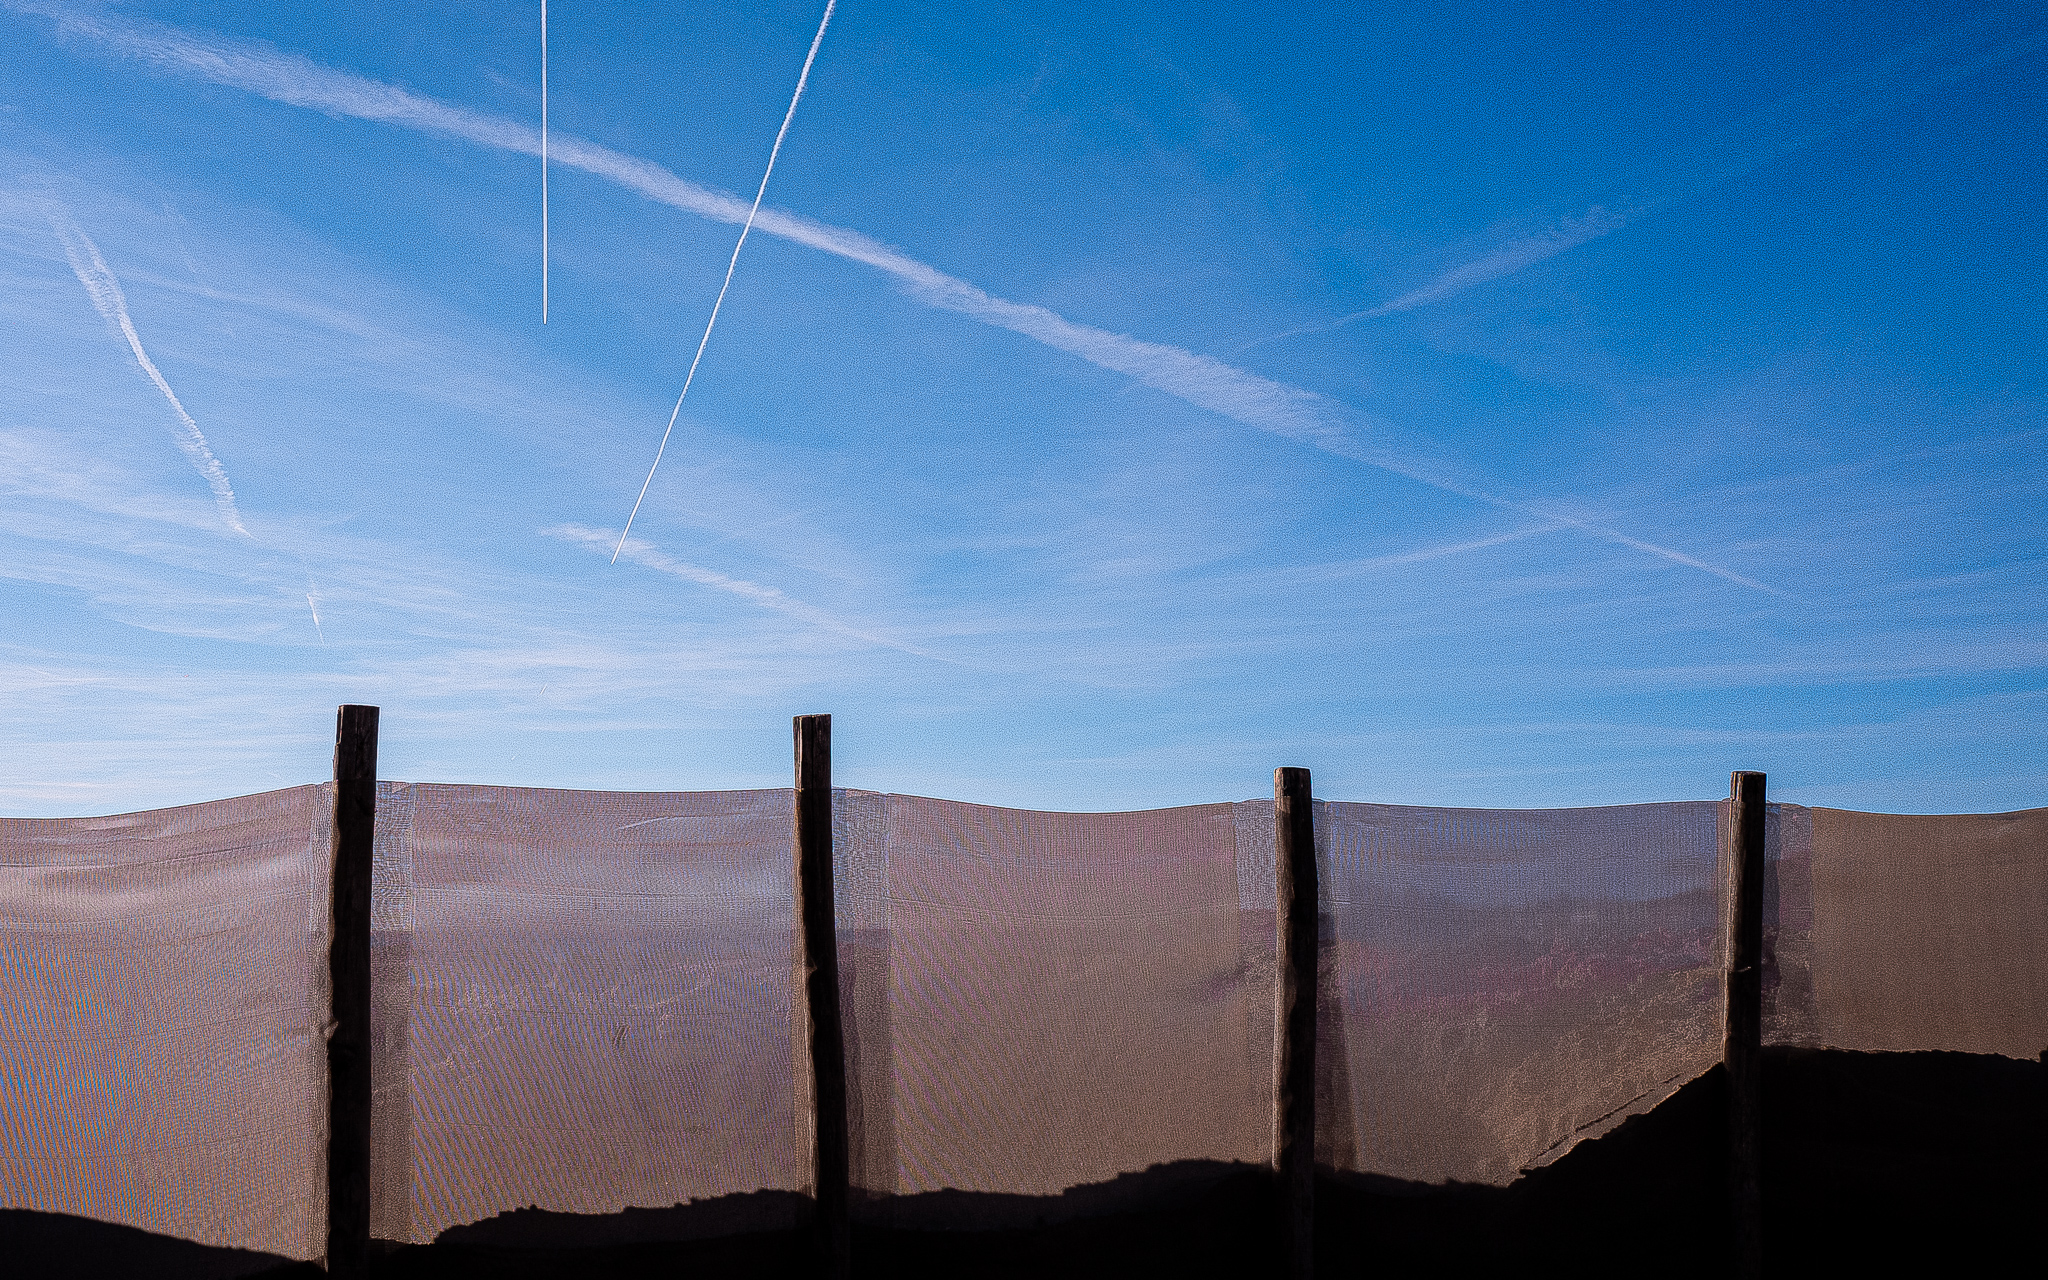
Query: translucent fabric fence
x,y
163,989
582,1002
1501,983
1036,1001
1904,932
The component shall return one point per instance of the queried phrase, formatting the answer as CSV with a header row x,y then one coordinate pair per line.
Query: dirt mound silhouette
x,y
1879,1163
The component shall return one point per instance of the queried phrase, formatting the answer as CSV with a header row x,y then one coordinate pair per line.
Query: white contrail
x,y
1387,461
298,81
1593,530
1199,380
1508,258
316,618
1787,125
1401,559
105,292
802,79
543,161
644,553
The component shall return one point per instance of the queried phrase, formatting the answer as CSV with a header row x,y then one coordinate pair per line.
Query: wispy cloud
x,y
1420,555
105,292
1200,380
299,81
645,554
1506,259
1596,530
1789,124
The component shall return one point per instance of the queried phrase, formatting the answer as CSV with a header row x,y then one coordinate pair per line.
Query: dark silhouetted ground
x,y
1876,1164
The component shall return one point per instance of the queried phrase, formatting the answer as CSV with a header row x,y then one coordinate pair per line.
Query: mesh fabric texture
x,y
582,1001
1035,1001
163,989
1904,932
1507,981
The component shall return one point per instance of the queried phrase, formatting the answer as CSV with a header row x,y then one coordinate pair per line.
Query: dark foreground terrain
x,y
1876,1164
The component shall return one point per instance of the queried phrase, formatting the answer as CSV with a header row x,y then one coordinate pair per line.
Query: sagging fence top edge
x,y
1320,801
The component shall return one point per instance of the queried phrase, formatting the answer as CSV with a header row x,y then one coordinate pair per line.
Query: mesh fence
x,y
1506,981
1899,932
163,980
1042,1000
583,1000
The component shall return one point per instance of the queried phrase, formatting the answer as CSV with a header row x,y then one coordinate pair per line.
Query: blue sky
x,y
1524,406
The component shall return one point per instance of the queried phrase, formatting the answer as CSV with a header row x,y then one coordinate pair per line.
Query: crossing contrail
x,y
802,78
105,292
641,552
1203,381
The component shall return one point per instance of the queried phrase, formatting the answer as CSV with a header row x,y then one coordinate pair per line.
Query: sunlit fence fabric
x,y
1040,1000
583,1000
163,994
1508,980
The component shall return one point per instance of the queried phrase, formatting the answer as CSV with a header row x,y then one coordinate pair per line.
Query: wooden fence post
x,y
1742,1042
1294,1040
348,967
818,960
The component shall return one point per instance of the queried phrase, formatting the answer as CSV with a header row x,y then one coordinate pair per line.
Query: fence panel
x,y
163,986
1043,1000
1926,932
583,999
594,1004
1509,982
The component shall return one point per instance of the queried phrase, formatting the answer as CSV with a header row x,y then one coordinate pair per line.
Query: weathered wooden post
x,y
1294,1039
1742,1042
818,961
348,967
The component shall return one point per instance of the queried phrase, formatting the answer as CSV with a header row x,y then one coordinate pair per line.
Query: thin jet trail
x,y
105,291
543,161
1791,123
802,79
312,603
1303,416
90,266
